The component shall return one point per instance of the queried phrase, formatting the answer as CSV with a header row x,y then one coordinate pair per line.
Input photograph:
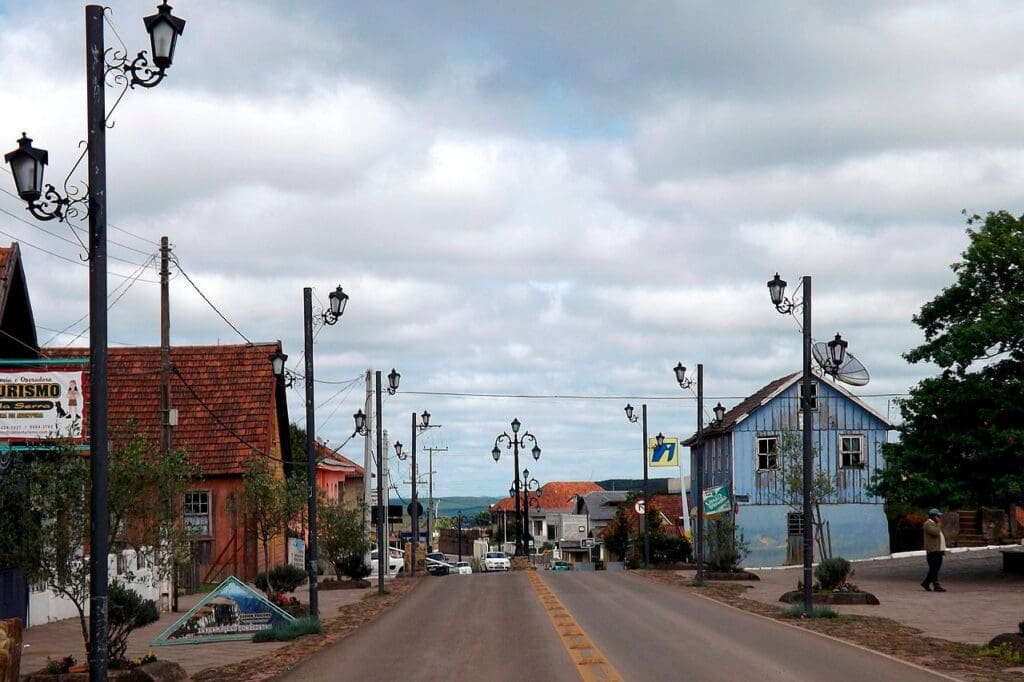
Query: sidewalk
x,y
982,601
55,640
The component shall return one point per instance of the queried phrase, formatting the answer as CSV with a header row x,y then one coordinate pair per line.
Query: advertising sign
x,y
232,612
664,455
716,499
297,552
40,404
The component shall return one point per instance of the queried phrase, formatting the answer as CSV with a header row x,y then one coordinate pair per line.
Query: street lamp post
x,y
522,489
513,443
459,520
336,309
383,557
414,511
836,356
686,382
46,203
643,450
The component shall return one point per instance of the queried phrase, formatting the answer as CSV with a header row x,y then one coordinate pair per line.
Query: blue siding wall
x,y
856,519
859,531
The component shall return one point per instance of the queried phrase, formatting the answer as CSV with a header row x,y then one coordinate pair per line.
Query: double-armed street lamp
x,y
527,489
336,308
414,506
632,417
47,203
382,507
514,442
833,362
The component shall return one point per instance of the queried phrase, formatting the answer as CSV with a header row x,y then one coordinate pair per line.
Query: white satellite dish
x,y
852,371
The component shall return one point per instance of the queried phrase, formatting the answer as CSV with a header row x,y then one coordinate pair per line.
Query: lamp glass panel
x,y
425,419
680,372
495,453
162,38
515,425
629,412
777,289
393,380
28,176
536,452
660,439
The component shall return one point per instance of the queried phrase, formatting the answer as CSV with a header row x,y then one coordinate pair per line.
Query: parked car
x,y
560,566
463,568
396,564
496,561
437,564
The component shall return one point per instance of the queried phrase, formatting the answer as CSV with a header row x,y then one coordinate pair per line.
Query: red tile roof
x,y
554,496
225,397
326,455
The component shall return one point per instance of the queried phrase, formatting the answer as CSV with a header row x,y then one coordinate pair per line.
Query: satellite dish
x,y
852,371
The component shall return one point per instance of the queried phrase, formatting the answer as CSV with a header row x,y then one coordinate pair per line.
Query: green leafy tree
x,y
44,521
962,431
482,519
823,487
342,540
146,494
617,532
270,501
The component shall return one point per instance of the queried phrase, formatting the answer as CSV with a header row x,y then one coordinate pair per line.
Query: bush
x,y
127,610
797,611
290,631
283,578
833,573
352,566
726,546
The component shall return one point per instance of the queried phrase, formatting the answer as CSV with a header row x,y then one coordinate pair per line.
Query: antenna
x,y
852,371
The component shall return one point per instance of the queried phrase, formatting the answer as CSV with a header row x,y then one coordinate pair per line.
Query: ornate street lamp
x,y
647,492
514,442
44,202
698,498
719,411
414,506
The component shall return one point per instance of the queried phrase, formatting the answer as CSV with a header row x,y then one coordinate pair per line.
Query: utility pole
x,y
387,499
382,517
167,420
430,497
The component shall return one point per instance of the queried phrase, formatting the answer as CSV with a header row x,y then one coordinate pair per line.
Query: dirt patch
x,y
797,597
963,661
336,627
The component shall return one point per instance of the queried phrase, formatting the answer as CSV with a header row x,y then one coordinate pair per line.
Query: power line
x,y
177,262
559,396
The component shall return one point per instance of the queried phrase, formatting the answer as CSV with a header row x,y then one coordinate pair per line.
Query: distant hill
x,y
658,485
450,506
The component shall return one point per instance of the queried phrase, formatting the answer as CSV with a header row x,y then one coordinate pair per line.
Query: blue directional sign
x,y
664,455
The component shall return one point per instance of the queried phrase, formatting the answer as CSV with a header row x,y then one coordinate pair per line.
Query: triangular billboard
x,y
231,612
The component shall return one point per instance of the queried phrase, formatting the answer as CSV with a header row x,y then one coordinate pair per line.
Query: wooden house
x,y
745,452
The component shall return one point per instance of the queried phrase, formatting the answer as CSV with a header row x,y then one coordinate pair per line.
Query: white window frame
x,y
768,455
843,452
186,513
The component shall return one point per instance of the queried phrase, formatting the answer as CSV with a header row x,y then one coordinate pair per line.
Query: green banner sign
x,y
716,500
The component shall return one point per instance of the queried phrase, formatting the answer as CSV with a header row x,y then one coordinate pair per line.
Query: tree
x,y
960,440
823,488
270,501
44,521
482,518
146,494
617,532
48,489
342,540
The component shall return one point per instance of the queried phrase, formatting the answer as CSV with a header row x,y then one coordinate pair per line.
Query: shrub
x,y
127,610
726,546
283,578
290,631
352,566
832,573
59,666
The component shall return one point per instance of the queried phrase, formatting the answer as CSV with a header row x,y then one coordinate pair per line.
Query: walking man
x,y
934,548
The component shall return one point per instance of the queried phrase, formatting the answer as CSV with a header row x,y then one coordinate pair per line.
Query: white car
x,y
396,564
496,561
463,568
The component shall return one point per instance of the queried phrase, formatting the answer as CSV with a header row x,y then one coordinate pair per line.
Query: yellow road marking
x,y
590,662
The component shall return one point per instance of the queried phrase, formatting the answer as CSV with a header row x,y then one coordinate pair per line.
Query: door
x,y
13,594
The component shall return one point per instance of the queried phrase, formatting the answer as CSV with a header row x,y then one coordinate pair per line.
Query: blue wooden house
x,y
743,451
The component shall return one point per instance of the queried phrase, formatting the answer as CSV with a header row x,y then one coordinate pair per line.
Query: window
x,y
551,532
813,397
851,452
197,512
795,523
767,453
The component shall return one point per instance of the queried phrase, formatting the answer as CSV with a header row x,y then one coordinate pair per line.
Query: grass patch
x,y
797,611
286,633
1003,652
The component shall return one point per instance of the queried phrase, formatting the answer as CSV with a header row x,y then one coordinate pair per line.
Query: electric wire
x,y
177,263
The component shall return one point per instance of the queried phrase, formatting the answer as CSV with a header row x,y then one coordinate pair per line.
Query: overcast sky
x,y
529,198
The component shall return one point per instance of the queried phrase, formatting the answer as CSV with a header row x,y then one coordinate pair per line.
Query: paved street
x,y
494,627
